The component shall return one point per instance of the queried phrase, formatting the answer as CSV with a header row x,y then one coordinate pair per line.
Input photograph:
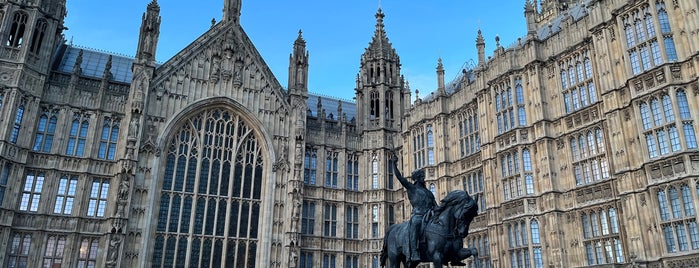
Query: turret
x,y
480,45
380,87
148,37
530,16
298,67
441,89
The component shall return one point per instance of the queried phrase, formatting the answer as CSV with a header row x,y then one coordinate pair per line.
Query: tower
x,y
380,86
381,97
30,33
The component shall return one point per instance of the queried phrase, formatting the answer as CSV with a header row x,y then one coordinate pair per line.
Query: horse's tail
x,y
384,249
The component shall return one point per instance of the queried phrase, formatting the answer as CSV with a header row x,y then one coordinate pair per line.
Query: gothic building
x,y
579,141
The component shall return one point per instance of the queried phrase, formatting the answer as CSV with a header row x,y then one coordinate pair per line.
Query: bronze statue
x,y
433,233
423,202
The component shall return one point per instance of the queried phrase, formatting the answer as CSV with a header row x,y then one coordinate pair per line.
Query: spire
x,y
107,75
530,16
480,45
441,89
380,47
231,10
298,66
77,69
150,32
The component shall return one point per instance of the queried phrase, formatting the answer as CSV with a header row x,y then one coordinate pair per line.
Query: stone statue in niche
x,y
113,250
133,127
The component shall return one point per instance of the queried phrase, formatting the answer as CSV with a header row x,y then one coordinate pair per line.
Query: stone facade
x,y
579,140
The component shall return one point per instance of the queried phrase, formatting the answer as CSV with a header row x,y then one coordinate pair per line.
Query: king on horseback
x,y
423,202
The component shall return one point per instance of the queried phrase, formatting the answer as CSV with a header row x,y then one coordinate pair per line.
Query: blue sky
x,y
336,33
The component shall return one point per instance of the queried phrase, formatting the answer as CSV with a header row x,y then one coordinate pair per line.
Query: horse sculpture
x,y
442,239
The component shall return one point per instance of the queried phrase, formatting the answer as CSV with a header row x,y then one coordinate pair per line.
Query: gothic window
x,y
211,195
4,177
578,90
430,145
419,151
77,136
589,158
17,123
98,198
351,261
308,217
108,140
352,222
678,218
433,189
480,242
352,172
516,182
375,221
16,35
473,184
329,260
44,133
469,138
306,260
18,250
601,236
521,113
310,164
53,253
389,171
87,256
660,124
505,107
389,105
331,169
31,193
642,41
374,104
65,197
374,173
38,36
330,224
519,247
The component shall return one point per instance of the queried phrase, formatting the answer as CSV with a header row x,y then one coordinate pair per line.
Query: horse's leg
x,y
468,252
437,261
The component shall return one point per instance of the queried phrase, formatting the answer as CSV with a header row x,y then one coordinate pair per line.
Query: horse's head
x,y
467,211
462,209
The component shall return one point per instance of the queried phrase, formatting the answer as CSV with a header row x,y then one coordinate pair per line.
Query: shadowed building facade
x,y
579,141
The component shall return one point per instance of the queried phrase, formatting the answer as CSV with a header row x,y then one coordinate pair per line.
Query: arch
x,y
19,24
222,135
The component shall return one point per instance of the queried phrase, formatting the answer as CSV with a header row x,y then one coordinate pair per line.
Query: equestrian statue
x,y
434,232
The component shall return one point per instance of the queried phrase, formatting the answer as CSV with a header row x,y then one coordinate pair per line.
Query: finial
x,y
497,40
108,68
440,66
300,33
154,5
213,22
77,69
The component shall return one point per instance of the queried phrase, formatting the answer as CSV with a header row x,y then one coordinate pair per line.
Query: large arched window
x,y
374,105
211,194
19,25
38,36
43,139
